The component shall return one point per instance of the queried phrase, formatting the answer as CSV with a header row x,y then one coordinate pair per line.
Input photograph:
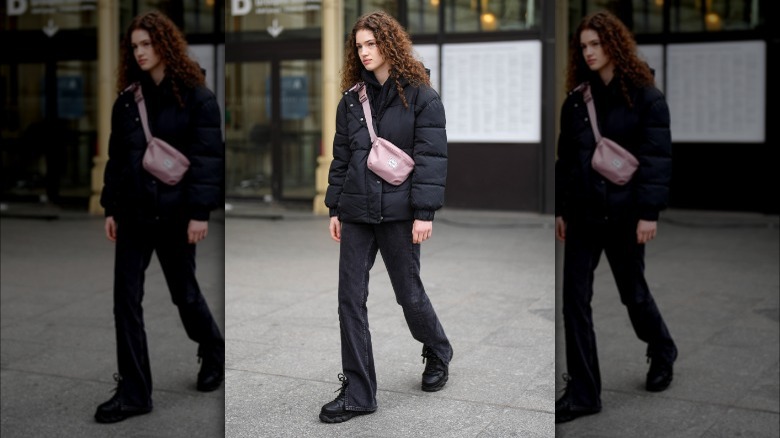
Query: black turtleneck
x,y
156,96
377,93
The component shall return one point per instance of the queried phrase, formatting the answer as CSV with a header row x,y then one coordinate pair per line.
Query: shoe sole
x,y
340,418
570,416
437,387
658,388
118,418
211,388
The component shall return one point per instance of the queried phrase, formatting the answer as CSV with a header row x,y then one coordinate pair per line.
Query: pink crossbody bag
x,y
610,159
386,160
162,160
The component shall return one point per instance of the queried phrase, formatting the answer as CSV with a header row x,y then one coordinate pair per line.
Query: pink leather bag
x,y
161,159
610,159
386,160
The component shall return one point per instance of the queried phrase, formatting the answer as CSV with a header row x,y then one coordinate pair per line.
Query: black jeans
x,y
582,251
134,247
359,245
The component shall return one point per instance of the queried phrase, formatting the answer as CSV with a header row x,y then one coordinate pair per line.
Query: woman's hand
x,y
646,231
335,228
197,231
421,231
110,228
560,228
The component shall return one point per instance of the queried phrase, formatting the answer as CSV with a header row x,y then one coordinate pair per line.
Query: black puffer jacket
x,y
581,193
132,193
355,193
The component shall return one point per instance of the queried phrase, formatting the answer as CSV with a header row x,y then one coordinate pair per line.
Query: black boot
x,y
436,371
211,374
336,411
659,377
114,410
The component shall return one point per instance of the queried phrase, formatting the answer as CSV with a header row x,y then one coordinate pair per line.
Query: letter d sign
x,y
237,7
16,7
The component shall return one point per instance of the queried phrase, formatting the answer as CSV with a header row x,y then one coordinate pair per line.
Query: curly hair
x,y
394,45
169,44
618,43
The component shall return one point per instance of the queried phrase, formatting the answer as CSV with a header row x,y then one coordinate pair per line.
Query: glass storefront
x,y
48,88
647,16
273,122
49,129
273,80
491,15
272,148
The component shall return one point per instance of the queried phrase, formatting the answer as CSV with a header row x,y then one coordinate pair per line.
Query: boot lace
x,y
344,382
432,359
118,380
566,379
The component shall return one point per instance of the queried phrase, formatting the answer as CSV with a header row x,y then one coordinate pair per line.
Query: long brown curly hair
x,y
169,44
618,43
394,45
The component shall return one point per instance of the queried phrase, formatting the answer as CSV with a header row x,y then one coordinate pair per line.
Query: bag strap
x,y
139,100
588,97
361,89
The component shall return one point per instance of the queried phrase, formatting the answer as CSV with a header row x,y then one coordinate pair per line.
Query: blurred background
x,y
498,64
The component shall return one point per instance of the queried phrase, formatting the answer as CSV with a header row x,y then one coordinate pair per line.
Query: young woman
x,y
370,215
592,215
145,215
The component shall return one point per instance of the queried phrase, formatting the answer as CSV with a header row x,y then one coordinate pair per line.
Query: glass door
x,y
272,129
48,134
301,115
248,160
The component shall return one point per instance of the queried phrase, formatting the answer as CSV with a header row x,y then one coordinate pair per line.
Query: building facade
x,y
277,122
498,65
712,60
50,86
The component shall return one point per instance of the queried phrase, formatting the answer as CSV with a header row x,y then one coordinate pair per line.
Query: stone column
x,y
332,59
108,55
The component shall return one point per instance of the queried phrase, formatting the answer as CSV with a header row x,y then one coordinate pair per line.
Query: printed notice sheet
x,y
492,91
717,91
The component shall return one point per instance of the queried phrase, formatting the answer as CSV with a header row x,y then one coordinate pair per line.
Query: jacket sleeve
x,y
654,174
112,172
341,157
566,156
430,159
206,155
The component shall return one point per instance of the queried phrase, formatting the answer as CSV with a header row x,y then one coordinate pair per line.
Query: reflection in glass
x,y
247,130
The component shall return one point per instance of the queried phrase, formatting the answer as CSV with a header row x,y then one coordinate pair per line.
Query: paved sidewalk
x,y
716,280
490,277
58,345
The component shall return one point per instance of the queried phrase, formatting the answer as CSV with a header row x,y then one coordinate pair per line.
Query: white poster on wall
x,y
654,56
428,54
204,56
717,91
492,91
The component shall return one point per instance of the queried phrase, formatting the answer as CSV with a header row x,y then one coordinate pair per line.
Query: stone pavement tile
x,y
745,423
633,415
286,328
539,394
37,405
520,423
717,288
763,394
275,406
58,340
488,374
286,360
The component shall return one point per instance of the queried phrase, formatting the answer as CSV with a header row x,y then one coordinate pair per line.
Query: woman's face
x,y
593,51
143,51
368,51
